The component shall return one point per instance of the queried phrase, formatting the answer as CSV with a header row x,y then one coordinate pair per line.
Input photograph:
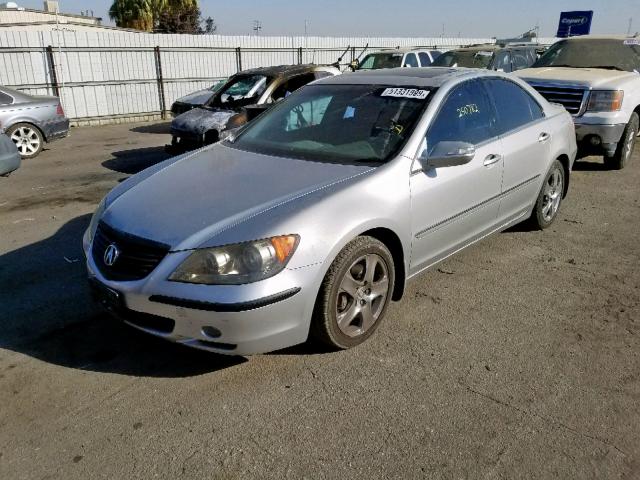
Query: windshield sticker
x,y
350,112
632,41
470,109
406,93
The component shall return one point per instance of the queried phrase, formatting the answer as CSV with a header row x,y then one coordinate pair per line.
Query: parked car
x,y
242,98
597,80
195,99
311,219
397,57
9,156
31,121
502,58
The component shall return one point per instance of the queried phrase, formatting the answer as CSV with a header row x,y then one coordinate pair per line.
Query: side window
x,y
291,85
514,106
410,60
502,61
465,116
435,54
5,99
521,60
425,61
307,114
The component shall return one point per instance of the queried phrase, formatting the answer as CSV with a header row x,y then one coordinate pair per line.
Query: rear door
x,y
526,144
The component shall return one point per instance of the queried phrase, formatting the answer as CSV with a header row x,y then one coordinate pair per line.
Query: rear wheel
x,y
355,294
625,145
27,138
549,198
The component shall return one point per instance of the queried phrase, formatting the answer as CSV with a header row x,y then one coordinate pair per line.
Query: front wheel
x,y
354,295
625,145
549,198
27,138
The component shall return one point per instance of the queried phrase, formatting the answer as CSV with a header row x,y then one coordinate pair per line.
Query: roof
x,y
400,50
280,70
419,77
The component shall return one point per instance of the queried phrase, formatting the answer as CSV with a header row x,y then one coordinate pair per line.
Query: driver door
x,y
453,206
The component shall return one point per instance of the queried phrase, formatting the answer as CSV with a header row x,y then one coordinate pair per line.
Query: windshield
x,y
375,61
593,53
217,86
240,91
367,123
464,58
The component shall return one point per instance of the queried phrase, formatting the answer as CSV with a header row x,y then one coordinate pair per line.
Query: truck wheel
x,y
625,145
354,295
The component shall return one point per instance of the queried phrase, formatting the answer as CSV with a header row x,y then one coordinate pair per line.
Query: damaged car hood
x,y
192,199
200,120
197,98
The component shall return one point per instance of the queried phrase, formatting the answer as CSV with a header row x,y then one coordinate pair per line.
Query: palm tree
x,y
136,14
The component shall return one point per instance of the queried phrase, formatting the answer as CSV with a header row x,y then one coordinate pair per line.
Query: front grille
x,y
138,256
571,98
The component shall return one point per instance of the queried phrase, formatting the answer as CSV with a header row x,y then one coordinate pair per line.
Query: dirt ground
x,y
518,358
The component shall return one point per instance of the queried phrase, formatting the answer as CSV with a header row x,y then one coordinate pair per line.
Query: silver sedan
x,y
31,120
312,219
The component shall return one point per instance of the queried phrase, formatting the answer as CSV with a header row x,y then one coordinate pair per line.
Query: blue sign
x,y
573,24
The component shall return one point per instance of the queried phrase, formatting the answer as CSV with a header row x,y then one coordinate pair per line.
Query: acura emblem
x,y
111,254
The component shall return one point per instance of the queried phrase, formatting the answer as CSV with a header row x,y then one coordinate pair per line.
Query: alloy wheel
x,y
553,190
27,140
362,295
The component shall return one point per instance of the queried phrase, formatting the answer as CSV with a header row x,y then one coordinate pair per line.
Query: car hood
x,y
200,120
590,77
196,98
189,201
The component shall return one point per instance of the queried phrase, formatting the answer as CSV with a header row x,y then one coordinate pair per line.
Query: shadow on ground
x,y
135,160
156,128
47,313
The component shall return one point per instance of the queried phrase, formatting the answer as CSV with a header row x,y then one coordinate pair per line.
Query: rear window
x,y
374,61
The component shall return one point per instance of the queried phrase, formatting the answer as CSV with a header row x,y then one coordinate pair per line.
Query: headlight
x,y
93,226
605,101
239,263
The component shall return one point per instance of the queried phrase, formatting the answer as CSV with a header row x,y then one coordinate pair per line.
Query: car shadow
x,y
162,128
583,165
47,313
136,160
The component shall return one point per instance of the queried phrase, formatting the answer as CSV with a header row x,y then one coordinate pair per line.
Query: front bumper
x,y
607,137
228,319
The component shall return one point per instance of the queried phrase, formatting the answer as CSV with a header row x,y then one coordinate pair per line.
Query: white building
x,y
14,17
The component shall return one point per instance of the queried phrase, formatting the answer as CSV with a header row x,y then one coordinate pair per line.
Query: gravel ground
x,y
518,358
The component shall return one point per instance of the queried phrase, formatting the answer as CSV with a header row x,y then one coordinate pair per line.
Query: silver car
x,y
9,156
312,219
31,120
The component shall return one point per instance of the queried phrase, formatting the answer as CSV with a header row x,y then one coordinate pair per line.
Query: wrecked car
x,y
243,97
502,58
195,99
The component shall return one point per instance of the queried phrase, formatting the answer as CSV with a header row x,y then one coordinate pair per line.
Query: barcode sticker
x,y
406,93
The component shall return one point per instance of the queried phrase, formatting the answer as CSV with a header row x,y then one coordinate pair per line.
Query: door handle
x,y
544,137
491,159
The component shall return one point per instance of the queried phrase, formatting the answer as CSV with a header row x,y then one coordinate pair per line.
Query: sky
x,y
408,18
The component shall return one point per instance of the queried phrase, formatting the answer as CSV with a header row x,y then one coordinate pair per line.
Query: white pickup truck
x,y
597,79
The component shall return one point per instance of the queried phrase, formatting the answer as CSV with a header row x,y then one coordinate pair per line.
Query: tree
x,y
136,14
180,16
210,26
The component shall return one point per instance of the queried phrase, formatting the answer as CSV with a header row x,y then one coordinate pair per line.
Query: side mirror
x,y
448,154
354,65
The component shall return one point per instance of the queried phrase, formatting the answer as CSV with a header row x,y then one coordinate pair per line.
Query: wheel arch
x,y
26,121
564,160
393,243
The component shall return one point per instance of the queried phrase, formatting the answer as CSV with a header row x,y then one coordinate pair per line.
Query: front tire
x,y
354,295
27,138
624,151
549,198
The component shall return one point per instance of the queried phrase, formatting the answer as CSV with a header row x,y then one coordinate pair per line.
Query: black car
x,y
239,100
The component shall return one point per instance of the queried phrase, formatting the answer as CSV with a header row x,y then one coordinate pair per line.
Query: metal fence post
x,y
53,74
299,55
239,59
160,79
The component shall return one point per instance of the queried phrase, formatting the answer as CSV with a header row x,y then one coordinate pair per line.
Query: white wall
x,y
114,73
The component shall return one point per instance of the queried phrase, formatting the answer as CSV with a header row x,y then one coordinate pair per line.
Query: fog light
x,y
211,332
595,140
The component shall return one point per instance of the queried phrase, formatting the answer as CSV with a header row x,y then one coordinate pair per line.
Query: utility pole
x,y
257,26
630,25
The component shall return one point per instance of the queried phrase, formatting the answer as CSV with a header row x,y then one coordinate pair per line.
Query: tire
x,y
625,145
28,138
354,295
549,198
